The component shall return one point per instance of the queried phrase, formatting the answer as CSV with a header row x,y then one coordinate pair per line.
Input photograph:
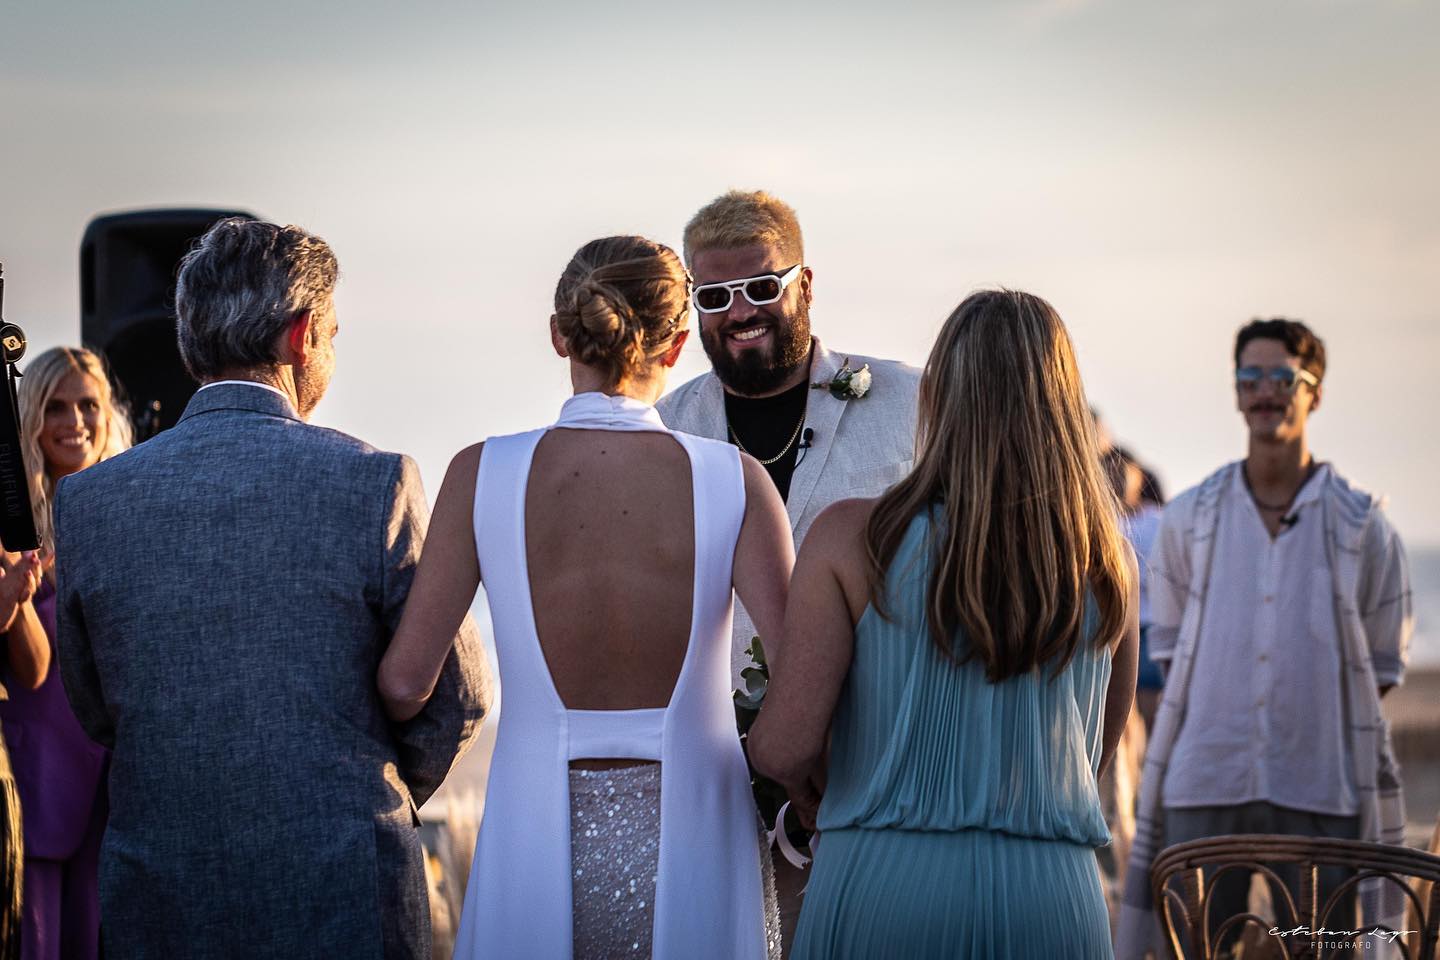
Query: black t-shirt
x,y
765,425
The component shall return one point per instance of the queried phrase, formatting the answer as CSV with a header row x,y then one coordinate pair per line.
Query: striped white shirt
x,y
1265,719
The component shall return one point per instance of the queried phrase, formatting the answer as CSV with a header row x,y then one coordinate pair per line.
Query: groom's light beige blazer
x,y
858,447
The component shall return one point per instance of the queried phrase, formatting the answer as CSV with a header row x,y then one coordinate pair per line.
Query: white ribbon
x,y
779,838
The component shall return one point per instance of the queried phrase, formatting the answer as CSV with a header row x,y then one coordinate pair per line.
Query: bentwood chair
x,y
1182,892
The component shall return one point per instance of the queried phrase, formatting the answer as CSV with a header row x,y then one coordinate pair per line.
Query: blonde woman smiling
x,y
69,420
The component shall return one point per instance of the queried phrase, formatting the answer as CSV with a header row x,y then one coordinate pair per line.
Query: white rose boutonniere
x,y
847,384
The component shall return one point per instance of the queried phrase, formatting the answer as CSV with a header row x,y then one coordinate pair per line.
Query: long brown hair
x,y
1026,524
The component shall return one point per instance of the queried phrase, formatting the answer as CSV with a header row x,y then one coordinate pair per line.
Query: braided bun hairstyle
x,y
620,303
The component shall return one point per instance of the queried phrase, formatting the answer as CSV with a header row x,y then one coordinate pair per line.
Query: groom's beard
x,y
758,370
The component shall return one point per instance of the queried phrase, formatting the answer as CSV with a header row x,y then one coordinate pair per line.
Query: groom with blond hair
x,y
826,425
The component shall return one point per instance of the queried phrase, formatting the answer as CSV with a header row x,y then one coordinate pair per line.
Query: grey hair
x,y
241,284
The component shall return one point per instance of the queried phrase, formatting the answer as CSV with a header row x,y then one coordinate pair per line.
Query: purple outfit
x,y
60,775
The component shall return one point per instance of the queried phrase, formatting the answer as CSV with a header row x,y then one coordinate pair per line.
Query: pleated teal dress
x,y
961,817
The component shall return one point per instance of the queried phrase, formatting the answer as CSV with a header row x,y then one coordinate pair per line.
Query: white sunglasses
x,y
767,288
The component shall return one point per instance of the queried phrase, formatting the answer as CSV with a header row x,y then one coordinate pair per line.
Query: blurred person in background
x,y
1280,609
1135,487
1120,781
69,420
1152,491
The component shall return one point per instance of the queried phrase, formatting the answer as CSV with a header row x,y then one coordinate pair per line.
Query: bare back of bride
x,y
619,819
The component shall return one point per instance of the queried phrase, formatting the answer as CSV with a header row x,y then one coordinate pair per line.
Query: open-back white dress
x,y
709,894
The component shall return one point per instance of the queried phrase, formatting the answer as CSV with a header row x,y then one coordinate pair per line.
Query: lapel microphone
x,y
1290,520
803,445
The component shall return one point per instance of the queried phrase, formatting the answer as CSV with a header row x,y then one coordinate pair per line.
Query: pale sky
x,y
1160,171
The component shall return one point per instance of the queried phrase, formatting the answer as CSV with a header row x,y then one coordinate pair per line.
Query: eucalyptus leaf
x,y
751,704
756,650
756,682
769,795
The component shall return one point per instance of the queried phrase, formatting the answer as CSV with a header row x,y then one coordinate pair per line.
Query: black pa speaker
x,y
127,305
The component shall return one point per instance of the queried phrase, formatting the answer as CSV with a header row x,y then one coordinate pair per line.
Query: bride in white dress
x,y
618,815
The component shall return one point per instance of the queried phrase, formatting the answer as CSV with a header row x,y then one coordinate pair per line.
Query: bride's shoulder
x,y
468,457
461,474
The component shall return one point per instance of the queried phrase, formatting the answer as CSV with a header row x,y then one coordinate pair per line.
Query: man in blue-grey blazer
x,y
225,593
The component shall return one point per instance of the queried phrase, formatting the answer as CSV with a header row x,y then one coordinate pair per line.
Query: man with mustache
x,y
752,294
825,425
1280,608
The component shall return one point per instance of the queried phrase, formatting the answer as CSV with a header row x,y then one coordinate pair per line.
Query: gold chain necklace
x,y
783,450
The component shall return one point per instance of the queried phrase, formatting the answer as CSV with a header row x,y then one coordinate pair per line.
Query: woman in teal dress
x,y
967,643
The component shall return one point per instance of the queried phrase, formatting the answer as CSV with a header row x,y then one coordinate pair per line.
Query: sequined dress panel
x,y
614,856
